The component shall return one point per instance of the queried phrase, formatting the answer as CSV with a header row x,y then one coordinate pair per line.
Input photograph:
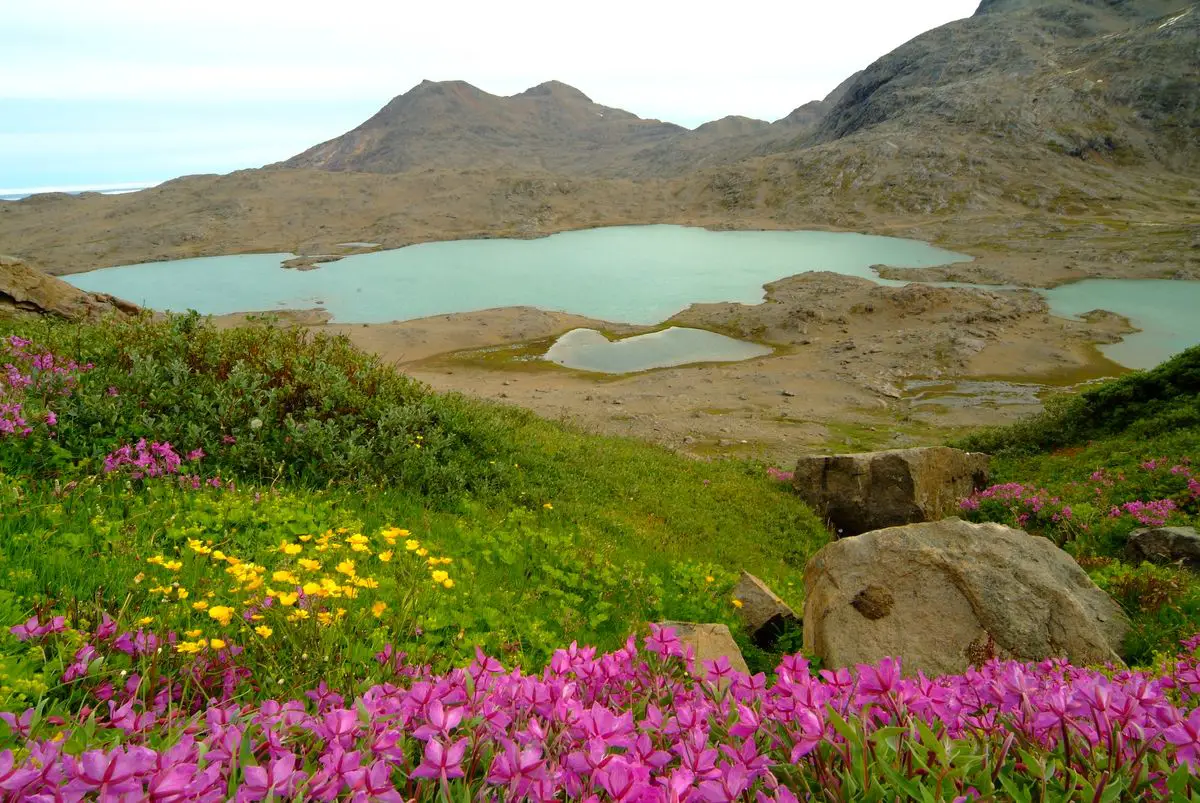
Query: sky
x,y
103,92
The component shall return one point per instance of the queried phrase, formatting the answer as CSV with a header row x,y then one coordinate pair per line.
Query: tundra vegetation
x,y
260,564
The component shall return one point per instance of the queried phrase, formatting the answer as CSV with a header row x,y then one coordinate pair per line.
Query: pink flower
x,y
441,762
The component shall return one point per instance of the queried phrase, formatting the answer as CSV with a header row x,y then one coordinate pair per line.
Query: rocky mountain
x,y
452,124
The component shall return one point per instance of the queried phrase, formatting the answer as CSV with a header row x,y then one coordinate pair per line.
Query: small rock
x,y
763,613
787,393
1165,545
709,642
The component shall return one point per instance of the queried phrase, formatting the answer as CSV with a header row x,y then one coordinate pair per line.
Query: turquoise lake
x,y
626,274
589,350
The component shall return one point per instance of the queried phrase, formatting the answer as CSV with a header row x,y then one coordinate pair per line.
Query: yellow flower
x,y
216,643
440,576
182,593
385,556
297,615
139,577
172,565
325,617
222,613
156,559
412,545
312,589
309,564
346,567
448,583
708,579
306,538
218,555
378,608
290,549
189,646
197,547
365,582
194,633
285,577
145,620
737,603
199,605
422,551
264,631
342,530
548,506
288,598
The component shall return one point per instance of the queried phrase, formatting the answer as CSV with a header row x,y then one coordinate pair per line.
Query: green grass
x,y
556,535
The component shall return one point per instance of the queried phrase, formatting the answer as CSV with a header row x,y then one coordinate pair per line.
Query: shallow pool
x,y
589,350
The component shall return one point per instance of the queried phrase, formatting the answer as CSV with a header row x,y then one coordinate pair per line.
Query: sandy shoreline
x,y
847,351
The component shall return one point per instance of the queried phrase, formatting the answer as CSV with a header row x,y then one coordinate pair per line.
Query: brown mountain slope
x,y
452,124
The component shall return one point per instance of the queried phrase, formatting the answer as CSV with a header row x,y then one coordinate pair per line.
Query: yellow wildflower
x,y
216,643
218,555
198,548
199,605
412,545
297,615
346,567
306,538
440,576
366,582
189,646
264,631
194,633
312,589
309,564
378,608
422,551
737,603
145,620
548,506
172,565
181,592
290,549
222,613
288,598
156,559
708,579
385,556
448,583
342,530
285,577
139,577
325,617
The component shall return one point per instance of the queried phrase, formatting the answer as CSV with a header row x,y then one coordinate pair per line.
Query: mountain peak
x,y
555,89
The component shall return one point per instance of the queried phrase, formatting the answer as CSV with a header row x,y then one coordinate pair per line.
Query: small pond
x,y
589,350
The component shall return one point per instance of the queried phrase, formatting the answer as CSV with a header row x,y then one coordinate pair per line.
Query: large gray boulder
x,y
857,493
949,594
1165,545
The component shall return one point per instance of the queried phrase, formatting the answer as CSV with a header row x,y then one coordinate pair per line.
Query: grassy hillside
x,y
255,565
554,535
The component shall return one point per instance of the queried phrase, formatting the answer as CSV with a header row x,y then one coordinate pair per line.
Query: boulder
x,y
763,613
709,642
949,594
1165,545
26,290
857,493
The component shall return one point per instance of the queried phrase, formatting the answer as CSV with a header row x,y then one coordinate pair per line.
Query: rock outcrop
x,y
26,290
867,491
709,642
949,594
762,612
1165,545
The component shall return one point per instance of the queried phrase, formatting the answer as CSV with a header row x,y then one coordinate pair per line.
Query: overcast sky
x,y
95,91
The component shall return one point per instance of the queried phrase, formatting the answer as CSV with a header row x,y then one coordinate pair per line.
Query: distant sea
x,y
118,188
